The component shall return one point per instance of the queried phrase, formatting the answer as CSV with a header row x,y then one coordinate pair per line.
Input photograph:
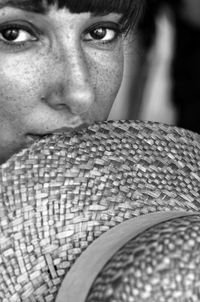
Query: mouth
x,y
32,137
67,129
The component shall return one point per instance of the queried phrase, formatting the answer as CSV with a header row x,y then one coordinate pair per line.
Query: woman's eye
x,y
101,34
16,35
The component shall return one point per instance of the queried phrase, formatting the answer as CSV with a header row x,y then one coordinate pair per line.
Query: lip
x,y
67,129
32,137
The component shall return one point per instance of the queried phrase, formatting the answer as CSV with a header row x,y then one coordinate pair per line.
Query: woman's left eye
x,y
16,35
102,34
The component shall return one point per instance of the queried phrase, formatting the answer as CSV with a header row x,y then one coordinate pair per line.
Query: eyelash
x,y
117,28
19,27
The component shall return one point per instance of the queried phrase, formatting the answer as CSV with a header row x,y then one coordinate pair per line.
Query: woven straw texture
x,y
65,190
162,264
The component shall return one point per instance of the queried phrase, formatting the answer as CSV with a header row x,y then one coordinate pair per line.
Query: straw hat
x,y
66,190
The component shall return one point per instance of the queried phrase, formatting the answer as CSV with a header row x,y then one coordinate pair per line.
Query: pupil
x,y
98,33
10,34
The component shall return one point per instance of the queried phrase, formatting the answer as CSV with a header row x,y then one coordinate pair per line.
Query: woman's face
x,y
57,70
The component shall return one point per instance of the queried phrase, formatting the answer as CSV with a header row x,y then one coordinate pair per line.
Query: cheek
x,y
20,87
106,73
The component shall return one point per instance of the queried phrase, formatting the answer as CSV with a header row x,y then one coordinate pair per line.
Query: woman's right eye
x,y
16,35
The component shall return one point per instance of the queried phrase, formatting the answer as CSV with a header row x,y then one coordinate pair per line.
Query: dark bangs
x,y
130,9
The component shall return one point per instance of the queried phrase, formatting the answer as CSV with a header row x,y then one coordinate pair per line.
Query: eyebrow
x,y
27,5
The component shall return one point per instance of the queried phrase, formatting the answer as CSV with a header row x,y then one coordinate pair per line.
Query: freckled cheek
x,y
107,78
20,86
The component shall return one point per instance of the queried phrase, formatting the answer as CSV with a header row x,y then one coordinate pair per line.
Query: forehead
x,y
74,6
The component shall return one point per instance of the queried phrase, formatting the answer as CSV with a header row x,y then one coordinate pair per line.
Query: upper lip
x,y
58,130
67,129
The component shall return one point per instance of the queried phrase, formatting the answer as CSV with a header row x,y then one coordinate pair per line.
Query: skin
x,y
55,74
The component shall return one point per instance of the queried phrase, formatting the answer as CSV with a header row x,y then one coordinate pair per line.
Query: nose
x,y
72,87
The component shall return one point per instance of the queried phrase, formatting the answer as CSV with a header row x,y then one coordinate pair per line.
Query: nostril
x,y
75,95
61,106
55,101
76,103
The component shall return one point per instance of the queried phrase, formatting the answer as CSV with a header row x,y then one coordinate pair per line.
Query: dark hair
x,y
130,9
